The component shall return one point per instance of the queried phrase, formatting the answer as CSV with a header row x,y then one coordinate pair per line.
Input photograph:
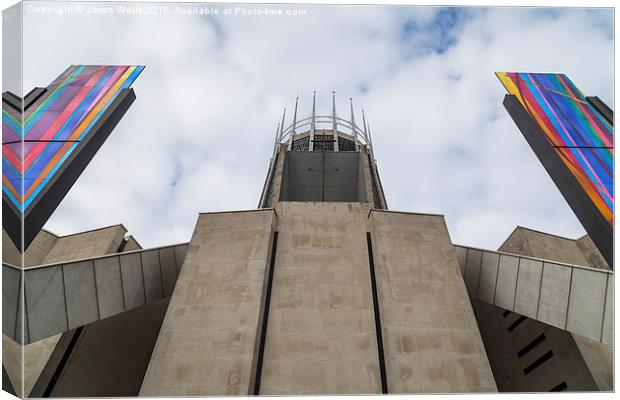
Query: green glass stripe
x,y
62,84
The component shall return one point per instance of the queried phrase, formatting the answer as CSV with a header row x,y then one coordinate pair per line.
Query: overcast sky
x,y
200,133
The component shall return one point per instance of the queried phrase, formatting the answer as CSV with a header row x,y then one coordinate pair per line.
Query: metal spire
x,y
277,139
335,124
313,111
365,128
282,125
370,141
295,115
353,121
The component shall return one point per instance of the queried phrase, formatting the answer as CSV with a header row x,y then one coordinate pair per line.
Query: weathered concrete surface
x,y
35,254
573,298
529,242
589,250
505,338
600,361
10,253
321,334
43,248
273,191
111,356
580,363
35,358
208,339
86,244
580,252
64,296
366,178
431,338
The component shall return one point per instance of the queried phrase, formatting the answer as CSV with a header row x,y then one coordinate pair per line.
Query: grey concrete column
x,y
209,338
431,338
321,332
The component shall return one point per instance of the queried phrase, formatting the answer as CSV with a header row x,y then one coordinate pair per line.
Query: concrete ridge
x,y
508,237
545,260
545,233
405,212
91,230
235,211
100,257
134,239
50,232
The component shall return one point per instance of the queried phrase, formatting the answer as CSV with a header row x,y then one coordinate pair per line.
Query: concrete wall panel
x,y
528,287
179,256
168,269
208,339
608,323
45,302
506,281
431,339
554,293
153,282
109,286
461,257
587,303
81,293
133,282
472,270
488,276
11,279
321,335
88,290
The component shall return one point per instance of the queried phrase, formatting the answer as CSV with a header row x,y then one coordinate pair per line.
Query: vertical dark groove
x,y
323,173
263,333
63,361
375,302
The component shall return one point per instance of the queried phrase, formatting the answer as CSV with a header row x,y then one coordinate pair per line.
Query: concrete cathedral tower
x,y
321,290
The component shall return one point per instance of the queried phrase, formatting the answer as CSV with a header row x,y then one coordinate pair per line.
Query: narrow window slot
x,y
263,335
541,338
518,322
375,301
559,388
538,362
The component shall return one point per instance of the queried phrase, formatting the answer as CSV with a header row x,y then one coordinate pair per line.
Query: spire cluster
x,y
286,131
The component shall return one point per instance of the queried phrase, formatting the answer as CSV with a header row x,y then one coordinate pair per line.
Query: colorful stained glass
x,y
582,137
54,126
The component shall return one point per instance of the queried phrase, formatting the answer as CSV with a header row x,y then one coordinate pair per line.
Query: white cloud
x,y
199,136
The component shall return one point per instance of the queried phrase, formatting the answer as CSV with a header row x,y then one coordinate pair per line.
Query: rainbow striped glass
x,y
54,126
582,138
